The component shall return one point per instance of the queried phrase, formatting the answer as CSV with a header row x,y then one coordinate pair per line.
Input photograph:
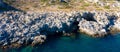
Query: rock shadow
x,y
111,21
88,16
6,7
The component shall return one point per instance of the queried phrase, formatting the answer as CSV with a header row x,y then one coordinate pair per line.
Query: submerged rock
x,y
39,39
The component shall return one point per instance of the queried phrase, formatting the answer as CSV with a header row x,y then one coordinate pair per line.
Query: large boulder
x,y
99,23
92,28
38,39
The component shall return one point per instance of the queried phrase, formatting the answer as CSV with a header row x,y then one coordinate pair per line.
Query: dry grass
x,y
39,5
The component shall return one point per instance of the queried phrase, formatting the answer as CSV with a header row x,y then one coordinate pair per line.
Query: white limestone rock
x,y
92,28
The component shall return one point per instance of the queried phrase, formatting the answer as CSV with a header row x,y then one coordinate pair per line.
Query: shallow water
x,y
78,43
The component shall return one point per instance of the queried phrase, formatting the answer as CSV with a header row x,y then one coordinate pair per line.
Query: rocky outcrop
x,y
39,39
99,24
19,27
92,28
33,28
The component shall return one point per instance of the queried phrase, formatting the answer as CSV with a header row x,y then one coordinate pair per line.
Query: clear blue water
x,y
79,43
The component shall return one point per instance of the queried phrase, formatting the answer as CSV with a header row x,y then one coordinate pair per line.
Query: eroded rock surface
x,y
32,27
19,27
99,24
92,28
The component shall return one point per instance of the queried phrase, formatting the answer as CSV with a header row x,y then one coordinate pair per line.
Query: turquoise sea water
x,y
78,43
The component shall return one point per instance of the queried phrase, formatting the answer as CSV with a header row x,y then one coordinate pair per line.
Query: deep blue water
x,y
78,43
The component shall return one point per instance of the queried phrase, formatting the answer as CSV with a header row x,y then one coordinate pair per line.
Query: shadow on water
x,y
50,43
81,43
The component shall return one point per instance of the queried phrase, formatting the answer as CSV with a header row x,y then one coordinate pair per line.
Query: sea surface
x,y
78,43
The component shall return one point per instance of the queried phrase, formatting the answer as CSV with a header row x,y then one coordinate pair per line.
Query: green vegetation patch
x,y
107,7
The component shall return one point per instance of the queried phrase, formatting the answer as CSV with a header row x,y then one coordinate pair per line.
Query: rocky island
x,y
19,28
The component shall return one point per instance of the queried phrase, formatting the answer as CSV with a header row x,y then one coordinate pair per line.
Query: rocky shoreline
x,y
33,28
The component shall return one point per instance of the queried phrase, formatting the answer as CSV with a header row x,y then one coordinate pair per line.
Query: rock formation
x,y
18,27
99,24
92,28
